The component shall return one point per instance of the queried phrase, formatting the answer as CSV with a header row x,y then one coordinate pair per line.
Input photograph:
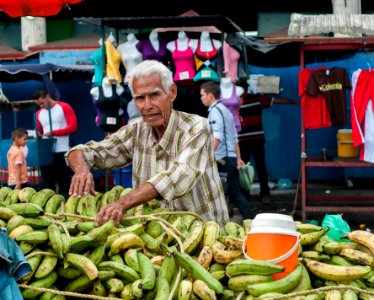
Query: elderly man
x,y
171,153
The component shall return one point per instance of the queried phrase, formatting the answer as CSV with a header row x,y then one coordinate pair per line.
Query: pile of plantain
x,y
157,253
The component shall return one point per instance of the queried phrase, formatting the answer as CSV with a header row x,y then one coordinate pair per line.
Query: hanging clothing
x,y
184,63
145,47
231,59
98,60
233,104
206,63
13,267
362,113
113,57
314,110
331,84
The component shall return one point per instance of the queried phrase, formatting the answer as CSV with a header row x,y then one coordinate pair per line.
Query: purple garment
x,y
148,52
233,104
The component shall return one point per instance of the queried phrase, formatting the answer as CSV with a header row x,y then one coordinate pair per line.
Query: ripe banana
x,y
240,282
357,256
335,272
312,238
225,256
362,237
194,236
14,221
125,241
205,257
82,263
203,291
25,194
211,233
6,213
20,230
250,266
231,242
283,285
185,290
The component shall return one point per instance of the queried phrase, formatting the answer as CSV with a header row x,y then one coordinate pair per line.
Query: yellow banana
x,y
203,291
205,257
335,272
211,233
240,282
283,285
125,241
14,221
20,230
250,266
185,290
6,213
357,256
25,194
194,236
82,263
225,256
231,242
362,237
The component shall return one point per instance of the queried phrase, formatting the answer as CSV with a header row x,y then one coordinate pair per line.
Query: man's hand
x,y
47,134
82,183
113,211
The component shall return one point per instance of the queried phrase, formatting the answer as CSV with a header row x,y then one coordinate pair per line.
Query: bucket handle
x,y
277,259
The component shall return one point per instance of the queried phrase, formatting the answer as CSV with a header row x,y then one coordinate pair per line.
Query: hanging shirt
x,y
251,117
145,47
181,166
205,63
113,57
314,110
233,104
13,266
231,59
331,84
98,60
131,57
64,123
184,63
362,115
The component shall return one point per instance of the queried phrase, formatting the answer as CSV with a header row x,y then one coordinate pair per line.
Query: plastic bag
x,y
338,227
246,176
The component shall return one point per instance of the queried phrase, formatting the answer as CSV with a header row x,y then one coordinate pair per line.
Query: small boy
x,y
17,169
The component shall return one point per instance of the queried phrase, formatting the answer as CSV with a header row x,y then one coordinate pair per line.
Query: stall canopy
x,y
22,72
36,8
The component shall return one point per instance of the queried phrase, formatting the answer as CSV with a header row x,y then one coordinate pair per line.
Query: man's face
x,y
153,103
205,99
42,102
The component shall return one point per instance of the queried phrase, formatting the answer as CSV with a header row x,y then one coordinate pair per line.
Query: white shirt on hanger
x,y
153,38
182,43
206,42
107,89
226,86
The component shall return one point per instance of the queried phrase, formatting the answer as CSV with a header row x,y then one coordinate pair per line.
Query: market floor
x,y
286,202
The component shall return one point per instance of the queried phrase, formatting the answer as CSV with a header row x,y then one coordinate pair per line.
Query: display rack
x,y
309,162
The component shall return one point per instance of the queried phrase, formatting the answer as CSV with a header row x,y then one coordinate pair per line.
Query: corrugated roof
x,y
90,41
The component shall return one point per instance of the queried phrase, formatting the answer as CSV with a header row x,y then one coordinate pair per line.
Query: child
x,y
17,169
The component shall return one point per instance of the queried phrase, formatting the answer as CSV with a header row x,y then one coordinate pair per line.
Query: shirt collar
x,y
170,131
213,105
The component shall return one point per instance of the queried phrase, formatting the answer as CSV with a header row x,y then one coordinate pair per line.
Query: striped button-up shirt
x,y
181,166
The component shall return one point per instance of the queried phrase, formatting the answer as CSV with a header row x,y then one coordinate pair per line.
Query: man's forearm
x,y
77,162
140,195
